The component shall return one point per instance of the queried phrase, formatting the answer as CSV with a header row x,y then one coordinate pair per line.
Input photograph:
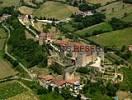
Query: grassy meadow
x,y
3,36
27,95
9,89
128,18
115,38
25,10
6,69
89,30
102,2
116,9
8,3
55,10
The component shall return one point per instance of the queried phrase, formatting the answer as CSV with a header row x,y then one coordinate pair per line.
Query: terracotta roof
x,y
62,42
71,43
59,82
55,81
46,78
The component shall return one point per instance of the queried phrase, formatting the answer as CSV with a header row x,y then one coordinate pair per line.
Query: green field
x,y
116,9
3,36
130,60
2,42
115,38
51,96
9,89
98,95
24,96
128,18
6,69
102,2
102,26
25,10
55,10
8,3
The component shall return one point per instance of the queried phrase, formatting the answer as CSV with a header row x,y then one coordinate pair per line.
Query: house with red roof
x,y
49,80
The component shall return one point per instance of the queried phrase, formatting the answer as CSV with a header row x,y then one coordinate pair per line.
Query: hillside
x,y
115,38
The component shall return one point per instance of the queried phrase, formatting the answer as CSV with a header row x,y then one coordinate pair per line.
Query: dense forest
x,y
26,51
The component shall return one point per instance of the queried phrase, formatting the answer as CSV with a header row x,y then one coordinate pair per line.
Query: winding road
x,y
12,57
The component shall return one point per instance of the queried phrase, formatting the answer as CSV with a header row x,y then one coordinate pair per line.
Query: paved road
x,y
56,22
28,28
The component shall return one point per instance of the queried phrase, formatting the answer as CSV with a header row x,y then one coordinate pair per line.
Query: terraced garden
x,y
10,89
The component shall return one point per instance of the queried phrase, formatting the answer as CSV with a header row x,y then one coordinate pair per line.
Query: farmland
x,y
5,69
3,35
102,2
10,89
51,96
24,96
111,39
116,9
55,10
128,18
88,31
130,60
25,10
8,3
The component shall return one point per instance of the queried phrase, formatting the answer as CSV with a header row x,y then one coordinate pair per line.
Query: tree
x,y
123,48
78,97
25,50
41,90
49,88
112,89
127,1
118,24
56,89
86,7
57,68
83,70
66,93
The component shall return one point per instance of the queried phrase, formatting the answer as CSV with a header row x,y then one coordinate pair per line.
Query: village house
x,y
45,38
45,80
49,80
86,13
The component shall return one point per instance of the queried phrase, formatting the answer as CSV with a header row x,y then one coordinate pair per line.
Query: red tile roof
x,y
46,78
59,82
56,81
